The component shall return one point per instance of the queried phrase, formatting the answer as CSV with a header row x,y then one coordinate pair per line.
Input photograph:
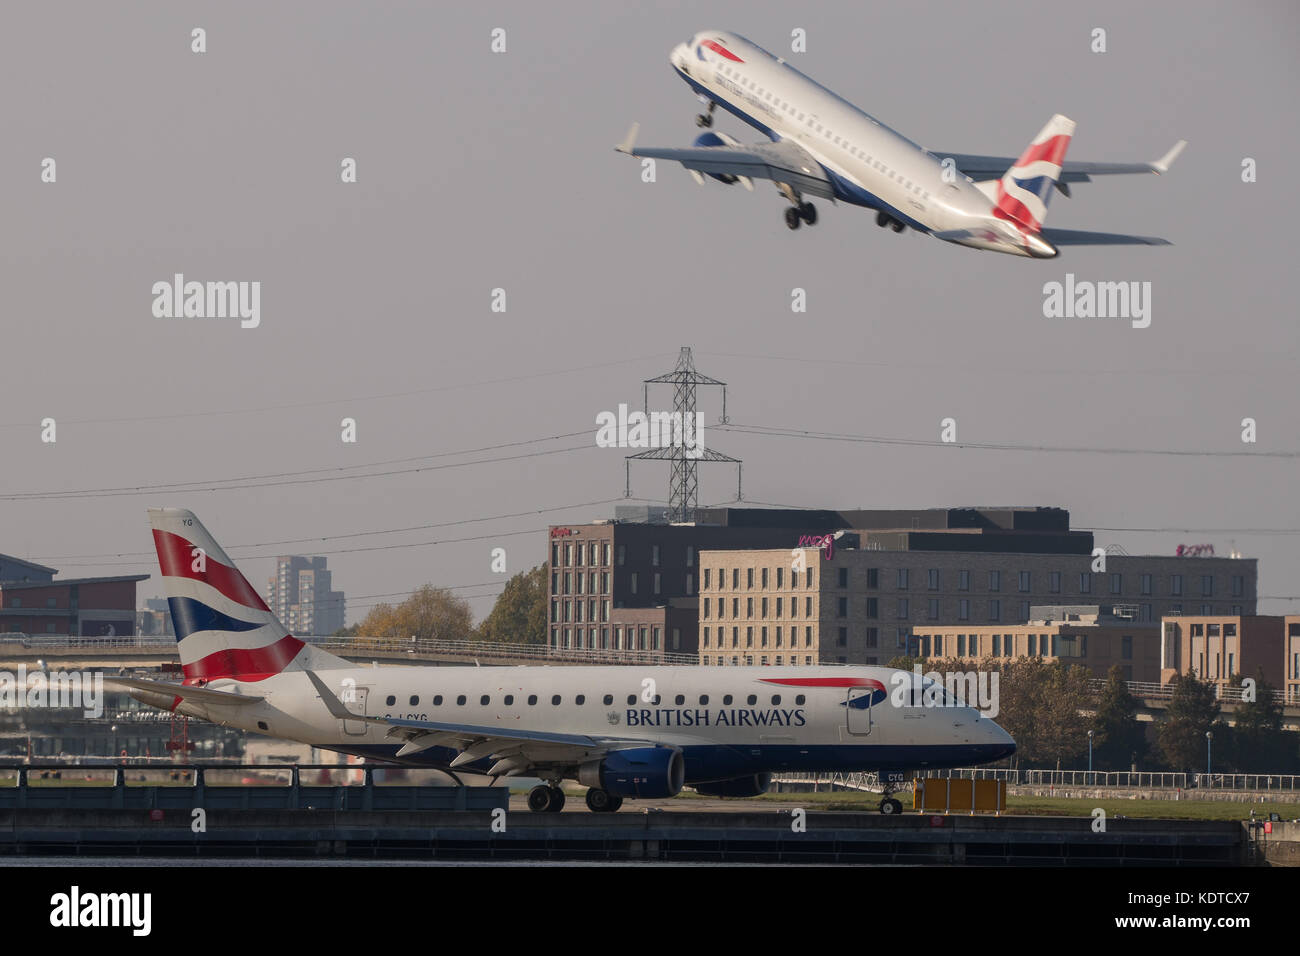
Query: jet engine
x,y
637,772
720,139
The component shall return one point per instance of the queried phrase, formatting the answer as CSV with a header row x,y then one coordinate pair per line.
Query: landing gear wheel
x,y
890,806
882,219
808,213
539,799
602,801
792,218
898,226
557,800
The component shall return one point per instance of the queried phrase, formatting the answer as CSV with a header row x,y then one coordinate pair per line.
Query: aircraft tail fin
x,y
1023,191
223,627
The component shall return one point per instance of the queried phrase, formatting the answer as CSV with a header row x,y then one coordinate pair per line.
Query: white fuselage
x,y
726,721
870,164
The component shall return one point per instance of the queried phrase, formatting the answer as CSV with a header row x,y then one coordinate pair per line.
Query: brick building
x,y
33,602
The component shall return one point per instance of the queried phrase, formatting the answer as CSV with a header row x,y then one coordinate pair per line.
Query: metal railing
x,y
1115,780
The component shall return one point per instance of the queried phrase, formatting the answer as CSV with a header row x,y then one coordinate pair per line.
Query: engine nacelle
x,y
639,772
719,139
750,786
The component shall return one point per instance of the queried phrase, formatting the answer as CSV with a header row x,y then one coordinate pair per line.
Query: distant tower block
x,y
683,484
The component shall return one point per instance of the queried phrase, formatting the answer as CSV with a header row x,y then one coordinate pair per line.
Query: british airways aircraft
x,y
822,145
622,731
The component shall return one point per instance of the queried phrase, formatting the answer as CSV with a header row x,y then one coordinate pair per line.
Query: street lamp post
x,y
1208,737
1090,756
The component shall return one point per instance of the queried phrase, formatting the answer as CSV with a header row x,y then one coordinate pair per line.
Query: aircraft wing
x,y
1077,237
201,695
783,162
519,749
1072,171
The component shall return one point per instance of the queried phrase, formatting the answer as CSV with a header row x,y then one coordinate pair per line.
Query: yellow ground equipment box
x,y
959,796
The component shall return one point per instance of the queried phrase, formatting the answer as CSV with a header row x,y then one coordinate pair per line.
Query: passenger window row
x,y
556,699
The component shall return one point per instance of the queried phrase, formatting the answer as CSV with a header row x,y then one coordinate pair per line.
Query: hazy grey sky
x,y
481,170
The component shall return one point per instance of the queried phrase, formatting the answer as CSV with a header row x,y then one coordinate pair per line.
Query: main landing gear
x,y
890,806
545,799
799,211
885,219
602,801
705,120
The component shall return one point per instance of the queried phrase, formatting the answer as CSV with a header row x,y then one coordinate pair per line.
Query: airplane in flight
x,y
623,731
822,145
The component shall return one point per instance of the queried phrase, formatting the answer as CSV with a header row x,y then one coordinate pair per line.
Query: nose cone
x,y
998,742
678,55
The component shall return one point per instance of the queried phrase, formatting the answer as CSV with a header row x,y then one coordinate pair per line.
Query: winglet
x,y
1162,164
331,701
629,143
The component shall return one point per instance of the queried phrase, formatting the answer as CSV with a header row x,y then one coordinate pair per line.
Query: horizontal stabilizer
x,y
201,695
1076,237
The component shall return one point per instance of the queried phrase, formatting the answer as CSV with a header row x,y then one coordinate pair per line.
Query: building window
x,y
604,551
903,609
842,577
580,551
1145,583
873,607
1117,584
963,609
735,579
934,609
707,578
1207,585
763,606
762,637
843,639
933,579
1176,585
963,580
690,556
842,608
995,610
657,582
654,555
1126,647
1085,582
961,645
1024,610
997,645
622,555
807,607
1054,582
779,572
763,579
902,579
555,554
749,607
778,607
873,578
995,580
632,582
1238,585
749,637
749,578
873,637
1024,582
690,583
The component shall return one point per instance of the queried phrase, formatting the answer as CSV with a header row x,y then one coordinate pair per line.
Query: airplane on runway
x,y
622,731
822,145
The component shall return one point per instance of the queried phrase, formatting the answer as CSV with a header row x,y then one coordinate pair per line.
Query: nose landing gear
x,y
705,120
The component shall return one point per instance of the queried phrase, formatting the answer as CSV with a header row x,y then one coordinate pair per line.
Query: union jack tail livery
x,y
1024,190
223,627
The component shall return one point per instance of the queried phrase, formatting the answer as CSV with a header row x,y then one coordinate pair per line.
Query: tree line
x,y
1050,707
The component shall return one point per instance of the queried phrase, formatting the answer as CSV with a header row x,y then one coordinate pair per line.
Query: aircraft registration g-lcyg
x,y
822,145
622,731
